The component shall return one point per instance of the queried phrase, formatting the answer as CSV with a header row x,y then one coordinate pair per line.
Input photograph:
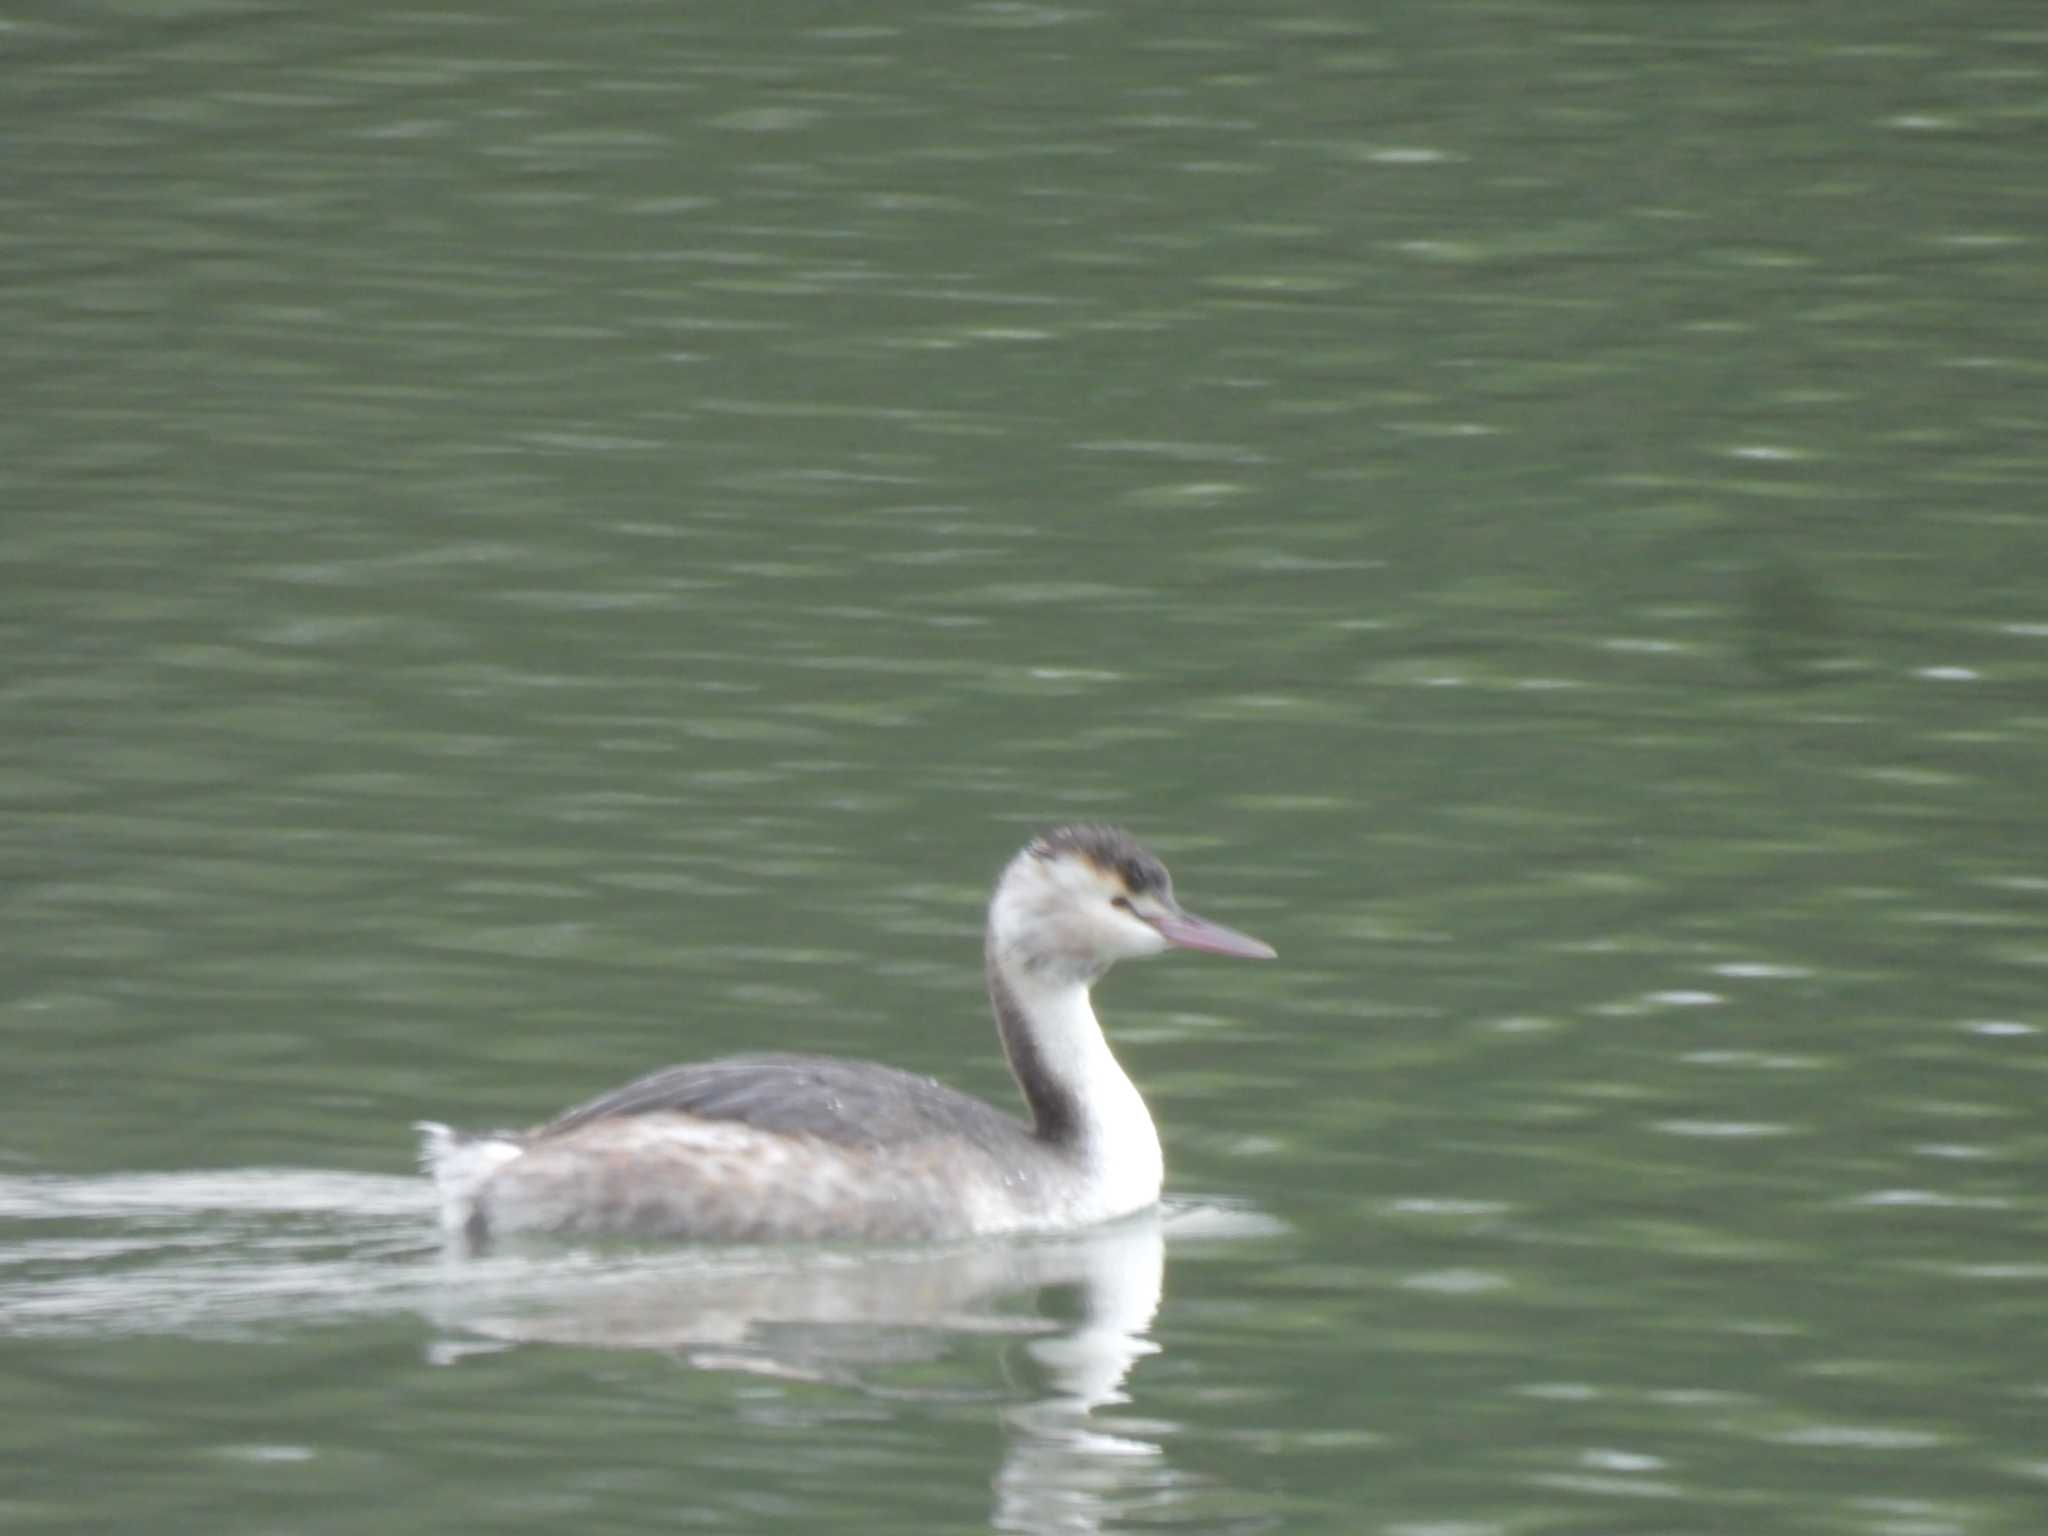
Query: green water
x,y
535,544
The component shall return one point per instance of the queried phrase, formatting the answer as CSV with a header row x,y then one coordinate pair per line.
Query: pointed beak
x,y
1184,930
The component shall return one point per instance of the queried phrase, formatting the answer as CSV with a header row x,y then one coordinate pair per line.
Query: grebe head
x,y
1080,898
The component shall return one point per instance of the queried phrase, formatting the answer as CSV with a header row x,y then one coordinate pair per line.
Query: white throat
x,y
1082,1099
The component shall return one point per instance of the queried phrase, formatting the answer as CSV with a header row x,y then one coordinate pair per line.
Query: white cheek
x,y
1134,937
1103,931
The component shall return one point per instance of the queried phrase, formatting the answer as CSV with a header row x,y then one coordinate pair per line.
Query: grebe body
x,y
788,1147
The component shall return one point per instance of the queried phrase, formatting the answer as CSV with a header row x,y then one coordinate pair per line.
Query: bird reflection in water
x,y
846,1316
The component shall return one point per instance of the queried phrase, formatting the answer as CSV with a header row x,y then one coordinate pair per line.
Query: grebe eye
x,y
1125,903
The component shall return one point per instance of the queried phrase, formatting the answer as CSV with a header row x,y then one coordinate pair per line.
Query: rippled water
x,y
537,548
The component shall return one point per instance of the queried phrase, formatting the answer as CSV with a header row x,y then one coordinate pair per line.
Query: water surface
x,y
534,549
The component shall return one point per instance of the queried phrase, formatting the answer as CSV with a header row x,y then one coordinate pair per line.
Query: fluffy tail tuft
x,y
436,1142
461,1165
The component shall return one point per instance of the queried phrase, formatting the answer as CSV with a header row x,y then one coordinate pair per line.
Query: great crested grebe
x,y
783,1147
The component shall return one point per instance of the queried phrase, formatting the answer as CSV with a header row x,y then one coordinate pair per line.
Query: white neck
x,y
1082,1102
